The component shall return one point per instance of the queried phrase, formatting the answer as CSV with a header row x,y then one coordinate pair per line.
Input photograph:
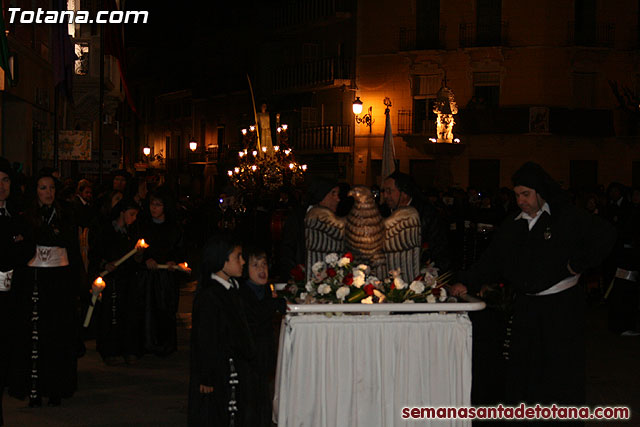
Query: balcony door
x,y
427,24
488,22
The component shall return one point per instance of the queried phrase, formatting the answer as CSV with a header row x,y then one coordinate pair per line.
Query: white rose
x,y
342,292
324,289
431,299
309,286
443,295
358,282
429,280
367,300
331,259
399,283
318,267
409,301
303,295
417,287
362,267
372,280
344,261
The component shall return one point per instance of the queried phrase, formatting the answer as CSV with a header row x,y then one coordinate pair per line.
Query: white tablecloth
x,y
361,370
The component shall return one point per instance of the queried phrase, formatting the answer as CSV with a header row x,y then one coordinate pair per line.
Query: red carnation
x,y
349,255
435,292
368,289
348,279
331,272
297,273
393,285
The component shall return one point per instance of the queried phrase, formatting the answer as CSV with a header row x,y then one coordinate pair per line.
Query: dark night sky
x,y
185,47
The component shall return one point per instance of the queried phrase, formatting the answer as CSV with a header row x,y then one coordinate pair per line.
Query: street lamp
x,y
367,119
193,145
146,151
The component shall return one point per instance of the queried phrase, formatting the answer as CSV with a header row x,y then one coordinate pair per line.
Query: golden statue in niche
x,y
445,107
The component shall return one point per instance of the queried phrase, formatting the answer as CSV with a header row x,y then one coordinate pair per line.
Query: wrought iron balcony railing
x,y
600,35
474,35
320,138
410,124
300,13
412,39
312,74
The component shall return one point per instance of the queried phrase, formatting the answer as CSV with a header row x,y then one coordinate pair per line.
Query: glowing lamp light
x,y
457,140
254,167
146,151
276,148
230,173
240,153
252,128
304,167
279,129
287,151
433,140
284,127
236,170
193,146
264,149
291,165
357,106
244,131
254,152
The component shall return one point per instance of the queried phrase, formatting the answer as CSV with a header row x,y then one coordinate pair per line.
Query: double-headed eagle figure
x,y
382,244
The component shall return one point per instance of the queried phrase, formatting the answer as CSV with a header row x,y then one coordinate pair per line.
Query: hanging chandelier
x,y
264,166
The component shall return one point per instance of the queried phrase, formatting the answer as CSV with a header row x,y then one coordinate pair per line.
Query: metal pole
x,y
101,105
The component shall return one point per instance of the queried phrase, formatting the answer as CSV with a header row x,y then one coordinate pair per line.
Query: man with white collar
x,y
540,253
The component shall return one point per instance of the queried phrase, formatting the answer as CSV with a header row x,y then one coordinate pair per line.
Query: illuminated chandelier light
x,y
265,168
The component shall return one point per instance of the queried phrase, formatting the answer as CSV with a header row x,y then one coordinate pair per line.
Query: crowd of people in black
x,y
57,235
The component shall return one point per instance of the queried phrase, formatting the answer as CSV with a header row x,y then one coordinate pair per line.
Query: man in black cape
x,y
541,252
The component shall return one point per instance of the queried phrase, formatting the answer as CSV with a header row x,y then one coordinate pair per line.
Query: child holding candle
x,y
221,345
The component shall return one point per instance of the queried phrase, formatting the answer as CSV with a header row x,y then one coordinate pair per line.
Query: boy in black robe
x,y
220,388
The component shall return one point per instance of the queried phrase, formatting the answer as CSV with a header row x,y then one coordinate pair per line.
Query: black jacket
x,y
532,261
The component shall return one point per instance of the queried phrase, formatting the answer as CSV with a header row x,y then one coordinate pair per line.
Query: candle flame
x,y
141,244
98,281
272,288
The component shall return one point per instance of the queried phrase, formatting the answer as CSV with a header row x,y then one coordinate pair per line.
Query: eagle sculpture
x,y
382,244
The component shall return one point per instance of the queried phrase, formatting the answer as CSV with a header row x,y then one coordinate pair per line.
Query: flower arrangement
x,y
337,280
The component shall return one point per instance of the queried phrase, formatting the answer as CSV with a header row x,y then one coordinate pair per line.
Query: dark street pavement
x,y
154,391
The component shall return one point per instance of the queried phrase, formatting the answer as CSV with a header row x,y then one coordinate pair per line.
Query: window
x,y
486,89
427,24
424,119
488,22
585,22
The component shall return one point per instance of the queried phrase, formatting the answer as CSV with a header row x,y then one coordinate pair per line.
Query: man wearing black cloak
x,y
540,252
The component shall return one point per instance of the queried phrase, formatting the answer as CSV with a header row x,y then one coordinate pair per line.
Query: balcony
x,y
325,73
302,14
411,39
330,138
410,124
474,35
600,35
